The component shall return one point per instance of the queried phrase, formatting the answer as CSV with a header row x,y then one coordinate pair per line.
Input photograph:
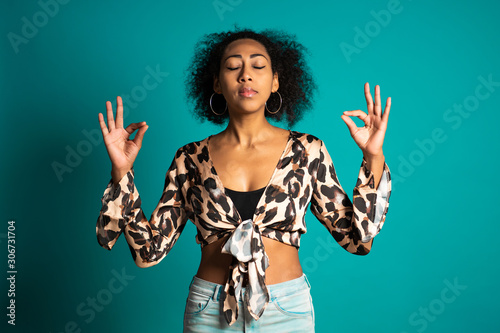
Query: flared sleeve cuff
x,y
371,205
116,207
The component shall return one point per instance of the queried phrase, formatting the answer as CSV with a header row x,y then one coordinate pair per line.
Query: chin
x,y
249,107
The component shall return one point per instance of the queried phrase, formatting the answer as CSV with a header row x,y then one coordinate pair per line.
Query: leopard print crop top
x,y
304,176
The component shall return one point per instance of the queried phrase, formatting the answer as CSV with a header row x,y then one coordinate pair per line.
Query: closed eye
x,y
234,68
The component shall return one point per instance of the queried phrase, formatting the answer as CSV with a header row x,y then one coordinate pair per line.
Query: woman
x,y
247,188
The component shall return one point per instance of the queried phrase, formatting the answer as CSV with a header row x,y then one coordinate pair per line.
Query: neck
x,y
246,130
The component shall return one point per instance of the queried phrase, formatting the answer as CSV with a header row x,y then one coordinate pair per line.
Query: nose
x,y
244,74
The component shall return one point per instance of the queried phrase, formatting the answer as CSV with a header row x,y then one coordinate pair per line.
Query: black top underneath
x,y
245,202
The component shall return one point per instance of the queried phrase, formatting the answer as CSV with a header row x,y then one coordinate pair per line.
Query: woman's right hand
x,y
122,151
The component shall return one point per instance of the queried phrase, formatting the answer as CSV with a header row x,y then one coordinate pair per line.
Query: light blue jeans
x,y
289,310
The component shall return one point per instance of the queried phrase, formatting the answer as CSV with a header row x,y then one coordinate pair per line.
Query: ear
x,y
276,83
217,87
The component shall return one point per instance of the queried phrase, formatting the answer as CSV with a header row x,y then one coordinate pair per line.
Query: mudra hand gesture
x,y
122,151
369,138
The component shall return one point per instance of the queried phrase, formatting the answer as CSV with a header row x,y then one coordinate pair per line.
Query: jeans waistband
x,y
278,289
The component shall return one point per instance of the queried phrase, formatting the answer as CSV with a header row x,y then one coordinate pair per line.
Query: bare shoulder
x,y
281,133
276,140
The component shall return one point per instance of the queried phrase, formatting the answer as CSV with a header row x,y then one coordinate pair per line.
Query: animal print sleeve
x,y
352,226
149,241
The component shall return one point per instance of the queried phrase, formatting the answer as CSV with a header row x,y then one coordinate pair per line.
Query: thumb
x,y
351,125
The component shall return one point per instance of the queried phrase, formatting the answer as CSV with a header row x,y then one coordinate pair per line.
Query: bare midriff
x,y
284,264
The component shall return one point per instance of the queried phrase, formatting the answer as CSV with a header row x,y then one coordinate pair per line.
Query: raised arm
x,y
149,241
354,226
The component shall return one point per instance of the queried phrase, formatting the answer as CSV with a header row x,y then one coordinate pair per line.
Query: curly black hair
x,y
296,84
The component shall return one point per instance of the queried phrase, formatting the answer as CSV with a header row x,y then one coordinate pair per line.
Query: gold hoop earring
x,y
218,114
281,101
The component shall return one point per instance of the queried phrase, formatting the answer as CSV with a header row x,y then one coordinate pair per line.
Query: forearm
x,y
375,163
117,174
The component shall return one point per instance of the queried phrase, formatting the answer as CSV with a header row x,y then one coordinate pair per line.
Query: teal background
x,y
442,223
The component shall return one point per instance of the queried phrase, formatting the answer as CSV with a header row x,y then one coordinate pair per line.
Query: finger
x,y
369,99
119,112
132,127
358,113
377,110
104,128
387,110
109,113
140,135
350,124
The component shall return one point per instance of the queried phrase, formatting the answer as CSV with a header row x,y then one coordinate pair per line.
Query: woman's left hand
x,y
369,138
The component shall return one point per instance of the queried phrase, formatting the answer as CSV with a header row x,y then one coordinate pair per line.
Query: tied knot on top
x,y
249,260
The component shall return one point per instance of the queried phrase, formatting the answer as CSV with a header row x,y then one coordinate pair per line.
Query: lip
x,y
247,92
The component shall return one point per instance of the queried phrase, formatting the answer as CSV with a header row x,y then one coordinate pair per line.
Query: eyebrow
x,y
251,56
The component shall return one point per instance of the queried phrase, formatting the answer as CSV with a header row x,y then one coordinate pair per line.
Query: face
x,y
246,78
